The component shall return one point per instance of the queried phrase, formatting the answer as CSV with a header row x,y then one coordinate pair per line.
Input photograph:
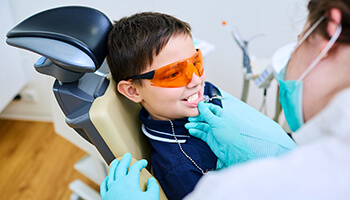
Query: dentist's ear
x,y
128,89
335,19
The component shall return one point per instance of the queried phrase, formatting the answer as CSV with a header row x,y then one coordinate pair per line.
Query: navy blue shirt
x,y
176,174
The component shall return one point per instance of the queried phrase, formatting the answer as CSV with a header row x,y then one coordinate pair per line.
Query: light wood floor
x,y
35,162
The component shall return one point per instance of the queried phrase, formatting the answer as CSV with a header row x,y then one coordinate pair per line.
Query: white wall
x,y
12,78
280,21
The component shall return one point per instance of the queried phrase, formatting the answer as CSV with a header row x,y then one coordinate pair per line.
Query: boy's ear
x,y
335,16
128,89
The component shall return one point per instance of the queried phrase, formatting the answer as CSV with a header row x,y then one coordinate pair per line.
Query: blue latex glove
x,y
122,184
217,129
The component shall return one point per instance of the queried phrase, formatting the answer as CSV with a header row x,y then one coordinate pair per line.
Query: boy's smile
x,y
194,99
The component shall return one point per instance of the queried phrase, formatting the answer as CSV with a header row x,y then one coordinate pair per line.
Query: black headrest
x,y
73,37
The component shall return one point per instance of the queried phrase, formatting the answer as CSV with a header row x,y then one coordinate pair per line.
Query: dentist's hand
x,y
215,128
122,184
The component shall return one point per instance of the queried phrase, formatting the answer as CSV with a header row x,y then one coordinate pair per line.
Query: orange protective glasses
x,y
176,74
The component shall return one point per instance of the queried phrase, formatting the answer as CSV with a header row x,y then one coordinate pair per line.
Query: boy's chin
x,y
194,113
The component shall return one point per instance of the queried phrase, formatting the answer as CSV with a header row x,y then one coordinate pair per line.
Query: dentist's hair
x,y
318,8
134,41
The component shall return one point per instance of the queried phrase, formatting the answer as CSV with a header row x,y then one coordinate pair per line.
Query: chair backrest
x,y
116,119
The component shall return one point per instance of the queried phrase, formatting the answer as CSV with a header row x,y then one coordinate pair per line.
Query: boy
x,y
154,62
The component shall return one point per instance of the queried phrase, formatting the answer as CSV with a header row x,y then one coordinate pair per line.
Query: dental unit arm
x,y
247,68
262,78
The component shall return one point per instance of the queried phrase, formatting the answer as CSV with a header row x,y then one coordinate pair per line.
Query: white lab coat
x,y
318,169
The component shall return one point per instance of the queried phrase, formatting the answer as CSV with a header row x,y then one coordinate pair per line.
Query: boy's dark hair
x,y
134,41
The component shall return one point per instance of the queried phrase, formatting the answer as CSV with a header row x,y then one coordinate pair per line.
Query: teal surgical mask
x,y
291,91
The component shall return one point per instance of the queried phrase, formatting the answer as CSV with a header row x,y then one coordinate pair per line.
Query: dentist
x,y
315,97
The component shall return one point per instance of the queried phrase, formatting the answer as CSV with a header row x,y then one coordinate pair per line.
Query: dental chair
x,y
73,42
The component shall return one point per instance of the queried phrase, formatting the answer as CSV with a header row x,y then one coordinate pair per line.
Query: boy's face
x,y
172,103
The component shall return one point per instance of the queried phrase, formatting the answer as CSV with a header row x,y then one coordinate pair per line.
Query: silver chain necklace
x,y
187,156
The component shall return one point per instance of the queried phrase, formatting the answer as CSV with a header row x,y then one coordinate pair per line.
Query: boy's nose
x,y
195,81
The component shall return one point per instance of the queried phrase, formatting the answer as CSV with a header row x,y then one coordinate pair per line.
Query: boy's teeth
x,y
192,98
